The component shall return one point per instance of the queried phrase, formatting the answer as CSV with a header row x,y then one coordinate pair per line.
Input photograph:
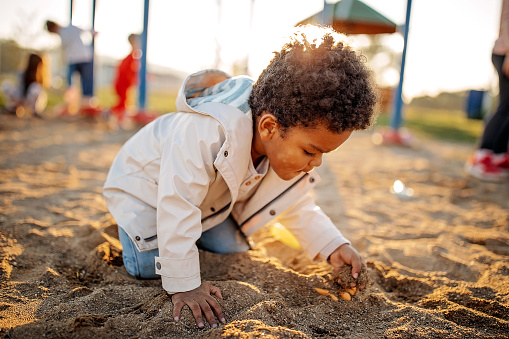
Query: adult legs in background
x,y
70,71
496,132
491,161
72,94
86,70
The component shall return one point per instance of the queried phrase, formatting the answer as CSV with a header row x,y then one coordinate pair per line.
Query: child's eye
x,y
309,154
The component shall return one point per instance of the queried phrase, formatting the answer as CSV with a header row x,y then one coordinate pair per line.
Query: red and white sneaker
x,y
481,166
502,161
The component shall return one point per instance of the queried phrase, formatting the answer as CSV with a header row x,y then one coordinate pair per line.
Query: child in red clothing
x,y
126,76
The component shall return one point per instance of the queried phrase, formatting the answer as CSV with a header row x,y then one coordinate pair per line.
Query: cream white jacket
x,y
181,174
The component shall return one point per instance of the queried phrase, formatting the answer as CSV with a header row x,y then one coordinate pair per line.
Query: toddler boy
x,y
236,155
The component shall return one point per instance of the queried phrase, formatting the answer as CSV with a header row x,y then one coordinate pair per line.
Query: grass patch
x,y
157,102
442,124
451,125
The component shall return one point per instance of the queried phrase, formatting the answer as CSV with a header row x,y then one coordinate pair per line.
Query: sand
x,y
438,262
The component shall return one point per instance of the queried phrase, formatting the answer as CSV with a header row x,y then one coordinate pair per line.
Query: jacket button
x,y
248,183
257,177
311,179
225,154
272,212
158,265
137,238
212,209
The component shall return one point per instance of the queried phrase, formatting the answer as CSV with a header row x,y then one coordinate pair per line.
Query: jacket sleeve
x,y
187,168
314,230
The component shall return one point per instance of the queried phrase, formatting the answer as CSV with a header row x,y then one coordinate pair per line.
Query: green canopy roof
x,y
352,17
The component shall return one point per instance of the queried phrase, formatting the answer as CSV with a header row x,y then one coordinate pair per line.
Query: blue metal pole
x,y
93,44
323,12
142,91
396,118
70,12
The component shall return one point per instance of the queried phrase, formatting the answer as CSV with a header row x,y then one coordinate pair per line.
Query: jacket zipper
x,y
270,202
261,209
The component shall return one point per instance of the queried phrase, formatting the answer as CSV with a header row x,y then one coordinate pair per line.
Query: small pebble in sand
x,y
321,290
345,296
351,290
326,292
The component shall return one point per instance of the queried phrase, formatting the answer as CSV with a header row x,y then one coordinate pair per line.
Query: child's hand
x,y
346,254
199,300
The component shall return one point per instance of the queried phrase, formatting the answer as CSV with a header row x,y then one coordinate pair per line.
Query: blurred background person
x,y
126,77
28,96
491,161
79,58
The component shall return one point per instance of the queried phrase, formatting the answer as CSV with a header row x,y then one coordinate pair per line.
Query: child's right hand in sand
x,y
200,301
346,254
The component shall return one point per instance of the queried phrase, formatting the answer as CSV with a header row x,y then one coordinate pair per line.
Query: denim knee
x,y
138,264
223,238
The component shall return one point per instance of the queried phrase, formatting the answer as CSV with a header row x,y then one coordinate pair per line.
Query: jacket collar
x,y
216,94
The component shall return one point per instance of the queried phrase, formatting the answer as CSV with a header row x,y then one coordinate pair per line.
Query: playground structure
x,y
346,16
355,17
142,116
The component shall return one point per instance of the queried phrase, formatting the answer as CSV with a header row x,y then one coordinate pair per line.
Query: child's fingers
x,y
215,291
337,265
196,310
177,307
207,311
363,262
356,267
217,309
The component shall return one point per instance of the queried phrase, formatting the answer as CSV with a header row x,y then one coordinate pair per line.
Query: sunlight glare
x,y
398,186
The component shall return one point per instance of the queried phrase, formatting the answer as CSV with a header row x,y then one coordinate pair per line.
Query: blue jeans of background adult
x,y
86,72
223,238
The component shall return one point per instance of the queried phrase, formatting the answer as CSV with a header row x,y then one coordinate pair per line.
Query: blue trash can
x,y
475,109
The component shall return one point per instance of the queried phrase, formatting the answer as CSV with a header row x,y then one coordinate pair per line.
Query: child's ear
x,y
267,126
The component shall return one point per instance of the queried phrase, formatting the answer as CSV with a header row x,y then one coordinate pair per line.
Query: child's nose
x,y
316,161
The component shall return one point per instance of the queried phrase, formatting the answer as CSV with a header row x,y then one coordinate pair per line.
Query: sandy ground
x,y
438,262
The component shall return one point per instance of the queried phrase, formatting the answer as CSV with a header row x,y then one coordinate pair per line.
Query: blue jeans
x,y
86,71
223,238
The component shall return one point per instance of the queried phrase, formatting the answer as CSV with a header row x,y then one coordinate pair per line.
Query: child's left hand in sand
x,y
346,254
200,303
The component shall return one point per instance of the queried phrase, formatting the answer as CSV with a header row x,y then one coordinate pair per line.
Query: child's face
x,y
301,149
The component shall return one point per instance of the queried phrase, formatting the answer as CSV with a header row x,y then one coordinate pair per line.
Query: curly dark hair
x,y
316,81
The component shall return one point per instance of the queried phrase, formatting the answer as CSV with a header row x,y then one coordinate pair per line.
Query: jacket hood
x,y
213,85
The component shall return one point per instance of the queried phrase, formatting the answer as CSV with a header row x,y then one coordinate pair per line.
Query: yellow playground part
x,y
279,232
